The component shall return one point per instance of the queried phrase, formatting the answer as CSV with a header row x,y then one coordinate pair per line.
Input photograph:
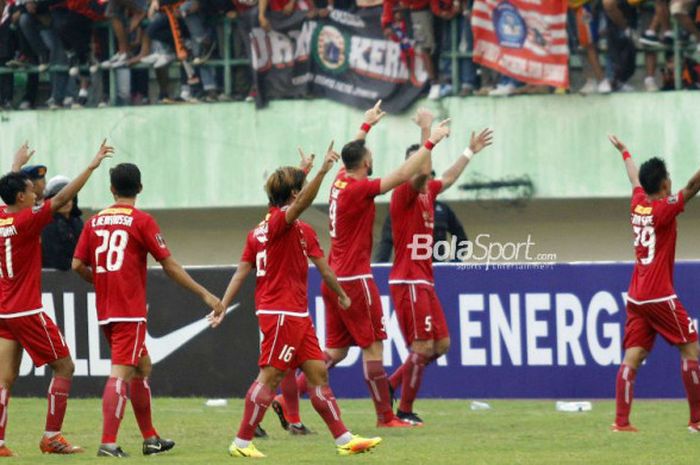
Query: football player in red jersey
x,y
418,308
652,305
23,322
112,253
279,248
351,213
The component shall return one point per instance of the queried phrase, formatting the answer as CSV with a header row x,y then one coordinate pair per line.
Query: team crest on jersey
x,y
672,199
340,184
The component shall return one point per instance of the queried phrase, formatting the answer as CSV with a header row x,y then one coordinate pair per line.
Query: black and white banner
x,y
344,57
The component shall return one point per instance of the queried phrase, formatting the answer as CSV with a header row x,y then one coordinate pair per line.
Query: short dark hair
x,y
652,174
412,148
282,183
126,180
353,153
11,185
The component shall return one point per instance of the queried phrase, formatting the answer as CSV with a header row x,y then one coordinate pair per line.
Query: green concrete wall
x,y
219,155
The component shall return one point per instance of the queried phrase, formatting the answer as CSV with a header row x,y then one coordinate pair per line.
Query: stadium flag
x,y
344,57
524,39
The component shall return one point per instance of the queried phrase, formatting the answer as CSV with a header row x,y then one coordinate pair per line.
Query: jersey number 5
x,y
646,237
114,244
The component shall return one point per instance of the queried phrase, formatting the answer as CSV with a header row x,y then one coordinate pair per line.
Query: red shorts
x,y
360,325
38,335
288,341
419,312
668,318
127,341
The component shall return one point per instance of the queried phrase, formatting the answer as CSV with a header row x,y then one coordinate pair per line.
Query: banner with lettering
x,y
518,331
344,57
524,39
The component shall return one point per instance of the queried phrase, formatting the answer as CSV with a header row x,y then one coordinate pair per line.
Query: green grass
x,y
514,432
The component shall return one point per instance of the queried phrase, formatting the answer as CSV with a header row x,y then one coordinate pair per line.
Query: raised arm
x,y
309,192
262,15
71,190
416,161
331,281
630,166
691,189
22,157
237,280
476,145
177,273
82,269
372,117
424,120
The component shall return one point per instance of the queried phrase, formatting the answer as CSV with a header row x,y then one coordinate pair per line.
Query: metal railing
x,y
228,62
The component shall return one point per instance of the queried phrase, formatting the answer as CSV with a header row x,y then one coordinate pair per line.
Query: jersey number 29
x,y
114,244
646,237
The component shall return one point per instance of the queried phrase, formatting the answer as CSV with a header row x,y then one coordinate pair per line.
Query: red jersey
x,y
20,260
412,214
115,243
655,230
278,252
351,212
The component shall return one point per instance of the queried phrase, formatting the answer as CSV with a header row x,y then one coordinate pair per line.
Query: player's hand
x,y
214,319
264,23
617,143
307,161
330,159
344,301
153,8
440,132
374,114
22,156
105,151
423,118
480,142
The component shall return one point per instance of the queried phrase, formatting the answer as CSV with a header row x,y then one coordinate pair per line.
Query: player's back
x,y
281,264
351,212
20,258
116,243
655,230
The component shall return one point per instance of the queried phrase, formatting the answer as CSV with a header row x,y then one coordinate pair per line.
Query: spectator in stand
x,y
621,33
36,21
7,52
584,24
423,33
58,239
681,9
285,6
447,11
120,11
659,27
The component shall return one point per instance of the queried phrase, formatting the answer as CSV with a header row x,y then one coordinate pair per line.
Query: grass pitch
x,y
512,433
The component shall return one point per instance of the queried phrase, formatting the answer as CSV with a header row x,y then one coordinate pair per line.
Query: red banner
x,y
524,39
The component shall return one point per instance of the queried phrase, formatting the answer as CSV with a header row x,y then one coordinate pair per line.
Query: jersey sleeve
x,y
669,208
277,223
403,196
33,220
313,248
82,248
371,187
153,239
434,188
248,255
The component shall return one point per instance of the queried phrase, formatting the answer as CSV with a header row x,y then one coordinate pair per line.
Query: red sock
x,y
302,386
691,379
4,401
140,393
397,376
114,402
624,394
412,377
257,402
378,384
58,401
291,397
324,403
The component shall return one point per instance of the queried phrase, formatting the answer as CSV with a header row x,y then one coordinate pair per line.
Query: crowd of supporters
x,y
66,41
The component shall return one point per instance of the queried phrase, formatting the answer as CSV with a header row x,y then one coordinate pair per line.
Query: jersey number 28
x,y
113,243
